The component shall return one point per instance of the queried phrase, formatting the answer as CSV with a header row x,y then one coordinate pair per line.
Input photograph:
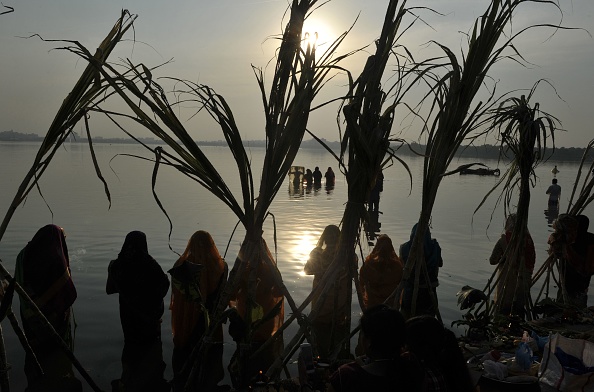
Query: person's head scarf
x,y
201,249
133,265
427,244
383,250
46,270
134,244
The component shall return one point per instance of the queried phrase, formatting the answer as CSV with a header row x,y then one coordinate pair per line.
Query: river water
x,y
72,197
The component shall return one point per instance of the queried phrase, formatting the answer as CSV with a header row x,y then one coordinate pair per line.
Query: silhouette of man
x,y
554,192
317,176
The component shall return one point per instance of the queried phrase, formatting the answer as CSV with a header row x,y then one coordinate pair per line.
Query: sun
x,y
318,32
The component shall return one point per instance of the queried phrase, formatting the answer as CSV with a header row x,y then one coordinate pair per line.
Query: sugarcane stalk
x,y
4,380
23,340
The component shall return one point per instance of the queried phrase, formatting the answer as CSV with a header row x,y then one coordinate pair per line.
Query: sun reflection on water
x,y
304,243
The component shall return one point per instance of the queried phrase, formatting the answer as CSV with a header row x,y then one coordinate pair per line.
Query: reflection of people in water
x,y
374,195
317,177
551,214
330,177
372,227
554,192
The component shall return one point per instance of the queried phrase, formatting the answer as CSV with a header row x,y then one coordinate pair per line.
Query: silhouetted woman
x,y
513,282
426,301
141,284
436,349
329,326
196,279
43,270
381,272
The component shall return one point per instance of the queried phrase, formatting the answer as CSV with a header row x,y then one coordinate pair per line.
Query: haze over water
x,y
95,233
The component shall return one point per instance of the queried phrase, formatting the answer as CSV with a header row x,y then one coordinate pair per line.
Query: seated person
x,y
436,349
382,368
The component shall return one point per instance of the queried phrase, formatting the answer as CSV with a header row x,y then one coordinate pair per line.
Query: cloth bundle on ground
x,y
568,364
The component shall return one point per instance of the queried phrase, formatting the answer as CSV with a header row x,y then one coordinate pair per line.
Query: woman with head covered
x,y
141,284
196,279
330,324
43,270
513,281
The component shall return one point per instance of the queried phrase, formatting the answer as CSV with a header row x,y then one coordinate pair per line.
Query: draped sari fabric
x,y
513,281
142,285
328,326
43,270
196,279
381,272
427,295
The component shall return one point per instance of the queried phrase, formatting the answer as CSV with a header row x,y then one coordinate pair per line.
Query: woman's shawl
x,y
43,270
381,272
196,279
432,253
142,285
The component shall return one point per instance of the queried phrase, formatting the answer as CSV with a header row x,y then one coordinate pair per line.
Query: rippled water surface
x,y
73,198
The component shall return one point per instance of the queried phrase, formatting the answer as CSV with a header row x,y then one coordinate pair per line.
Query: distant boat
x,y
481,172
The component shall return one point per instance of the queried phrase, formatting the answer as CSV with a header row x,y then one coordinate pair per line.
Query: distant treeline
x,y
485,151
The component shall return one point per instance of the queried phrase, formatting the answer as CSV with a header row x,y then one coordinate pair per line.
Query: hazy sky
x,y
215,42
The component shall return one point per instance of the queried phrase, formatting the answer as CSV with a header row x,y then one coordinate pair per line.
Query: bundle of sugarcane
x,y
365,142
523,132
454,116
298,77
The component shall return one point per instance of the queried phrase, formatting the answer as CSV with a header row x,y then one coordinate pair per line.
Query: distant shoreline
x,y
486,151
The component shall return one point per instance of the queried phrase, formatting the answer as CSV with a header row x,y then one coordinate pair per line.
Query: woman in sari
x,y
329,326
196,280
381,272
426,301
43,270
142,285
379,276
513,282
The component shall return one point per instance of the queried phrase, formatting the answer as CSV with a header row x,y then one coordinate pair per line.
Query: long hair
x,y
383,250
201,249
329,237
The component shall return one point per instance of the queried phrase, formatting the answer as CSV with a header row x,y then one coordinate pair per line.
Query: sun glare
x,y
303,246
316,31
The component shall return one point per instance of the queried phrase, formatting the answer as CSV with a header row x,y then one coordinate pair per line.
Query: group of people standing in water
x,y
315,178
570,243
196,281
197,278
418,354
